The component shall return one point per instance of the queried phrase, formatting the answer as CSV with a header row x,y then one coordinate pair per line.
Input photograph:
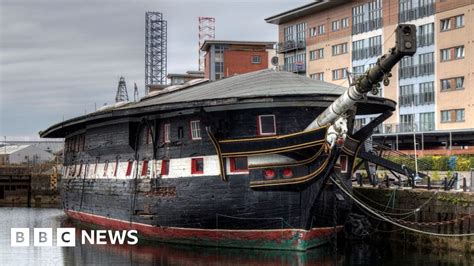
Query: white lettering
x,y
132,234
90,237
117,235
101,236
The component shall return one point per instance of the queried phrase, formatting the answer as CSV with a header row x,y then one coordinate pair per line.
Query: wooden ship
x,y
240,162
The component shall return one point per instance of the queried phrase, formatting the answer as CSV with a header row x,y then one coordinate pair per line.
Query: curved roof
x,y
264,86
263,83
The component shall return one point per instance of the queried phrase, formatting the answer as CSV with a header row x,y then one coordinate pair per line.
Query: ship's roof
x,y
264,86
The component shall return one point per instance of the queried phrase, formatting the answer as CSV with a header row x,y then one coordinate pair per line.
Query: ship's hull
x,y
204,211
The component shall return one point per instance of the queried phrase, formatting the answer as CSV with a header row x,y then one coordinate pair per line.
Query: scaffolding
x,y
207,31
155,49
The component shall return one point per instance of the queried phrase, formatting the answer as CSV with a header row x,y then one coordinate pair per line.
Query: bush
x,y
463,164
440,163
425,163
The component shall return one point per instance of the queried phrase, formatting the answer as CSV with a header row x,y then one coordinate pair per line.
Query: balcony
x,y
295,67
406,127
416,13
416,70
368,52
365,26
425,40
290,45
423,98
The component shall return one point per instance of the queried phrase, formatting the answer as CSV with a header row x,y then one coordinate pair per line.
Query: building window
x,y
427,121
165,167
317,76
345,23
459,21
339,49
445,24
256,59
144,168
166,133
452,53
406,123
336,25
455,115
425,35
129,168
407,98
426,93
452,84
339,73
106,166
316,31
197,166
316,54
266,125
238,164
195,130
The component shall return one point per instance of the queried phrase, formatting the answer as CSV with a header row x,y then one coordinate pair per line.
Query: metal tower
x,y
155,48
207,31
122,95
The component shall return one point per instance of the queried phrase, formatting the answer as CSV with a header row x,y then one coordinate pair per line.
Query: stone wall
x,y
442,212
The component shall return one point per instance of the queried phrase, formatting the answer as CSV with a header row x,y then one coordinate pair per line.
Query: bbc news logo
x,y
66,237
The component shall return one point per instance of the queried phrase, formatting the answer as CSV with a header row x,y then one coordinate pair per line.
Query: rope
x,y
392,221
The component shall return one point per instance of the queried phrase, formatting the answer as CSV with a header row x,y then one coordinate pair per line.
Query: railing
x,y
416,99
365,26
416,13
425,40
363,53
290,45
295,67
416,70
405,127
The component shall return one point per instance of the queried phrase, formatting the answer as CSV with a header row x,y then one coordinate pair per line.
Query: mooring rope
x,y
390,220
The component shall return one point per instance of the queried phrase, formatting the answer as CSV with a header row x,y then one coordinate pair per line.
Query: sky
x,y
63,58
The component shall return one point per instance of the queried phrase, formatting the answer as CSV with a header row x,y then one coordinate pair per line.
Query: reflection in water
x,y
165,254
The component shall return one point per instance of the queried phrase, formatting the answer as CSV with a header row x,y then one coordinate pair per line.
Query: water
x,y
164,254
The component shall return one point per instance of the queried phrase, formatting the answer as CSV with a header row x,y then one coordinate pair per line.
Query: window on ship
x,y
266,125
197,166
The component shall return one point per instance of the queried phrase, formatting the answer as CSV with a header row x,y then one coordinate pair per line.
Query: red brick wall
x,y
239,62
206,66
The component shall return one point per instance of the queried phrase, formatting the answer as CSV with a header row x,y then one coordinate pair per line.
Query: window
x,y
318,76
116,166
459,115
345,23
129,168
180,132
316,54
166,133
238,164
426,93
445,24
316,31
426,121
339,49
455,115
425,35
406,123
339,74
375,46
459,21
165,167
445,116
144,168
445,54
256,59
106,166
358,70
358,19
452,84
266,125
406,95
195,130
336,25
197,166
459,52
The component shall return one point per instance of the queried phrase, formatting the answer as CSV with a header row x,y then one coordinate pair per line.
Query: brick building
x,y
432,88
228,58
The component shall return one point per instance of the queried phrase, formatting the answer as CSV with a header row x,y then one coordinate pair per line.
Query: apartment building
x,y
326,40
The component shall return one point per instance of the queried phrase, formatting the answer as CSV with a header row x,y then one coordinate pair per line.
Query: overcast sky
x,y
58,59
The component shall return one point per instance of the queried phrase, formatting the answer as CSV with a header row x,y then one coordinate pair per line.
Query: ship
x,y
240,162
